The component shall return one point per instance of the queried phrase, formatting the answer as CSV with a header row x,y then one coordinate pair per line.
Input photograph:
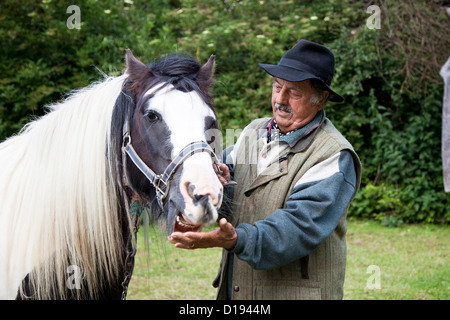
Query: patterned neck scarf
x,y
274,133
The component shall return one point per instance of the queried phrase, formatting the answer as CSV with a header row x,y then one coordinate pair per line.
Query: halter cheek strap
x,y
161,181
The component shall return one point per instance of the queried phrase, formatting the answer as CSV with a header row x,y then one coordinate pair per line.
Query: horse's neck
x,y
57,200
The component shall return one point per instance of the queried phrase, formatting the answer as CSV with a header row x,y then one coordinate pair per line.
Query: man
x,y
295,181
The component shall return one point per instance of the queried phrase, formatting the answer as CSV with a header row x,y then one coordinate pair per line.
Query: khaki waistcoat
x,y
320,275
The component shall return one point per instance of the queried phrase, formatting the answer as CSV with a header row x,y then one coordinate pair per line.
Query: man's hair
x,y
319,88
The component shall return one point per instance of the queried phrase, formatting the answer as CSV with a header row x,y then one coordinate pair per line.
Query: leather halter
x,y
161,182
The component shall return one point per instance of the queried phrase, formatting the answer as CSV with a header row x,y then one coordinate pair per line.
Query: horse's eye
x,y
153,116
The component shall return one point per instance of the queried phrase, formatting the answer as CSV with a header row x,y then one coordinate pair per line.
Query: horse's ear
x,y
205,75
135,68
138,73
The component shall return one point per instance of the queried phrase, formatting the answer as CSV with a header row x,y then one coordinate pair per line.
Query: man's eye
x,y
295,94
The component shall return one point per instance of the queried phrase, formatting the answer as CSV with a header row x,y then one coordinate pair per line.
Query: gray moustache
x,y
284,108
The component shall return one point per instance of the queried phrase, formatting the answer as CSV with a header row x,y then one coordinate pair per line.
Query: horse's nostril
x,y
201,198
190,189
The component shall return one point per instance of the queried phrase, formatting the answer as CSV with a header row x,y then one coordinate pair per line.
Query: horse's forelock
x,y
180,70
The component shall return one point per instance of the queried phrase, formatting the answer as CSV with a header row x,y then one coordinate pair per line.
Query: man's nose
x,y
282,97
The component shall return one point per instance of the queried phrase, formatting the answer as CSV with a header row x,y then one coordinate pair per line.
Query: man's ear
x,y
325,96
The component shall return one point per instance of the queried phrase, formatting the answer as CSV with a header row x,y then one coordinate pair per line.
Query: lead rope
x,y
136,208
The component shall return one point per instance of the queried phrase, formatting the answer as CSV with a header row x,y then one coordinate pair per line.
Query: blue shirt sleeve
x,y
311,213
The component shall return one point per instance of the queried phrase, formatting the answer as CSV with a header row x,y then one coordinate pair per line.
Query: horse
x,y
67,179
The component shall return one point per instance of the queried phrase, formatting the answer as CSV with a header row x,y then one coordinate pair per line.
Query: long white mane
x,y
58,201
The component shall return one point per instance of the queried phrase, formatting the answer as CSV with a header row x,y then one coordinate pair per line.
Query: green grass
x,y
169,273
413,262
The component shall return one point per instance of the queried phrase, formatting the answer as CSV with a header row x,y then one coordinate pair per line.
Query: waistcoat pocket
x,y
287,290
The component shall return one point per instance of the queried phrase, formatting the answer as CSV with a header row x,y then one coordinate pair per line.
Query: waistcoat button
x,y
236,288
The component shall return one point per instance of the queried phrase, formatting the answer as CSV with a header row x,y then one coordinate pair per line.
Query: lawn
x,y
407,262
169,273
413,261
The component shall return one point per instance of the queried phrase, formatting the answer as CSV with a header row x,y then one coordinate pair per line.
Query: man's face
x,y
291,104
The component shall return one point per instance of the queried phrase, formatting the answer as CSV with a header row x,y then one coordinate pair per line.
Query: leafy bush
x,y
389,77
394,127
42,59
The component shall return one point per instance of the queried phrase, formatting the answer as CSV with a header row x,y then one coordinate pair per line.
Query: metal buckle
x,y
126,139
161,191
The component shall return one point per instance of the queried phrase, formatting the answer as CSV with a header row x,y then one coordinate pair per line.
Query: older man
x,y
295,181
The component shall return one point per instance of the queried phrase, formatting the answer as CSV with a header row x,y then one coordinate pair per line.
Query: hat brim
x,y
294,75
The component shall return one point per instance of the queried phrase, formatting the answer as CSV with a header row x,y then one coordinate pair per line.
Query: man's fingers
x,y
224,236
222,180
183,237
190,240
224,175
225,225
183,246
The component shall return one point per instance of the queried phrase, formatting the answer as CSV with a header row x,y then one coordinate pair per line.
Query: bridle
x,y
161,182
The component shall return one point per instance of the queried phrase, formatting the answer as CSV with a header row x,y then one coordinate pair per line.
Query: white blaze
x,y
184,113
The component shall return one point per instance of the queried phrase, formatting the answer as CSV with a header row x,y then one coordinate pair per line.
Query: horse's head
x,y
167,127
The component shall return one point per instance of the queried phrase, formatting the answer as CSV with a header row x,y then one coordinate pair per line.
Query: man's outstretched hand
x,y
224,237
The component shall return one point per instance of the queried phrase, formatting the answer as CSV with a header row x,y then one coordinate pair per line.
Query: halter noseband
x,y
161,181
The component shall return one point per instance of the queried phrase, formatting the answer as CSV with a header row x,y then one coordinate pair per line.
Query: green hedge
x,y
389,77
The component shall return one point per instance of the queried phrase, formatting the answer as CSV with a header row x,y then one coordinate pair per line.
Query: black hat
x,y
306,60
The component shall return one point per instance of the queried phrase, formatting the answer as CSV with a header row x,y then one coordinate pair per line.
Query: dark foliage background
x,y
389,76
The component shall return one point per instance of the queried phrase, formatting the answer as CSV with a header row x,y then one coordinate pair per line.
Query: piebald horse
x,y
68,178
